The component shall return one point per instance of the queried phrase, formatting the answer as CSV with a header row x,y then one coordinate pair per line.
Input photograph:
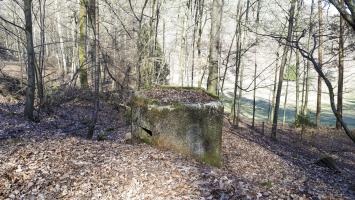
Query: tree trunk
x,y
340,71
31,79
297,84
320,60
286,94
241,67
305,106
196,24
96,48
40,66
329,85
61,42
238,33
214,47
82,44
74,61
282,68
182,52
275,84
297,70
226,64
303,86
256,64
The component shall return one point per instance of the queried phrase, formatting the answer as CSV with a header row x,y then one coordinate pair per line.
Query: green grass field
x,y
263,108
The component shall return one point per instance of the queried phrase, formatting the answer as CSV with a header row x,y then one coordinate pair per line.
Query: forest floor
x,y
52,159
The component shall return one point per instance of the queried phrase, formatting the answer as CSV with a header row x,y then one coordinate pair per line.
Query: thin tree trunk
x,y
214,46
196,25
152,42
226,64
241,67
75,46
297,84
286,94
256,64
237,63
329,85
199,39
340,71
320,60
182,52
305,106
31,79
40,67
303,86
20,54
82,44
282,68
275,84
96,48
61,42
297,70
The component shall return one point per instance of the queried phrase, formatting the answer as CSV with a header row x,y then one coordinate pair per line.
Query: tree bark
x,y
329,85
214,47
182,53
286,94
241,67
61,42
305,106
297,71
226,64
238,33
40,67
82,44
320,60
340,71
256,64
275,85
31,79
297,84
96,48
282,68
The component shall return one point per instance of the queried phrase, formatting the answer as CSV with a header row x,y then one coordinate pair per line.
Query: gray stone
x,y
191,128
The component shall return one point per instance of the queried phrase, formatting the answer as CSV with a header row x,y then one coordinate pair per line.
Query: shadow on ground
x,y
263,111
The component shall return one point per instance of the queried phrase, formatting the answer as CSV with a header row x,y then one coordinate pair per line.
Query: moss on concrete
x,y
193,129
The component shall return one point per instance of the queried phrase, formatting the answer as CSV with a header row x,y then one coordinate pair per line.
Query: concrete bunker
x,y
187,120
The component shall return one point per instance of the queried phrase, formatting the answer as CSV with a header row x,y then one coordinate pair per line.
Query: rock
x,y
327,162
128,137
183,124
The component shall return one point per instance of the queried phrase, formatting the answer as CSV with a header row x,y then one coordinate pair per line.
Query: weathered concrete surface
x,y
191,128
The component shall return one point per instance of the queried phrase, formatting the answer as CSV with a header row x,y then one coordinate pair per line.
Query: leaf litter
x,y
53,160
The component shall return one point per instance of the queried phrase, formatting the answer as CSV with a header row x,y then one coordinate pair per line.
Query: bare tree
x,y
31,77
307,75
309,56
340,70
347,10
282,68
94,21
214,48
257,23
82,44
320,60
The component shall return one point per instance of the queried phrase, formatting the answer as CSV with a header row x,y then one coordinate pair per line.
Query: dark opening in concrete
x,y
148,131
